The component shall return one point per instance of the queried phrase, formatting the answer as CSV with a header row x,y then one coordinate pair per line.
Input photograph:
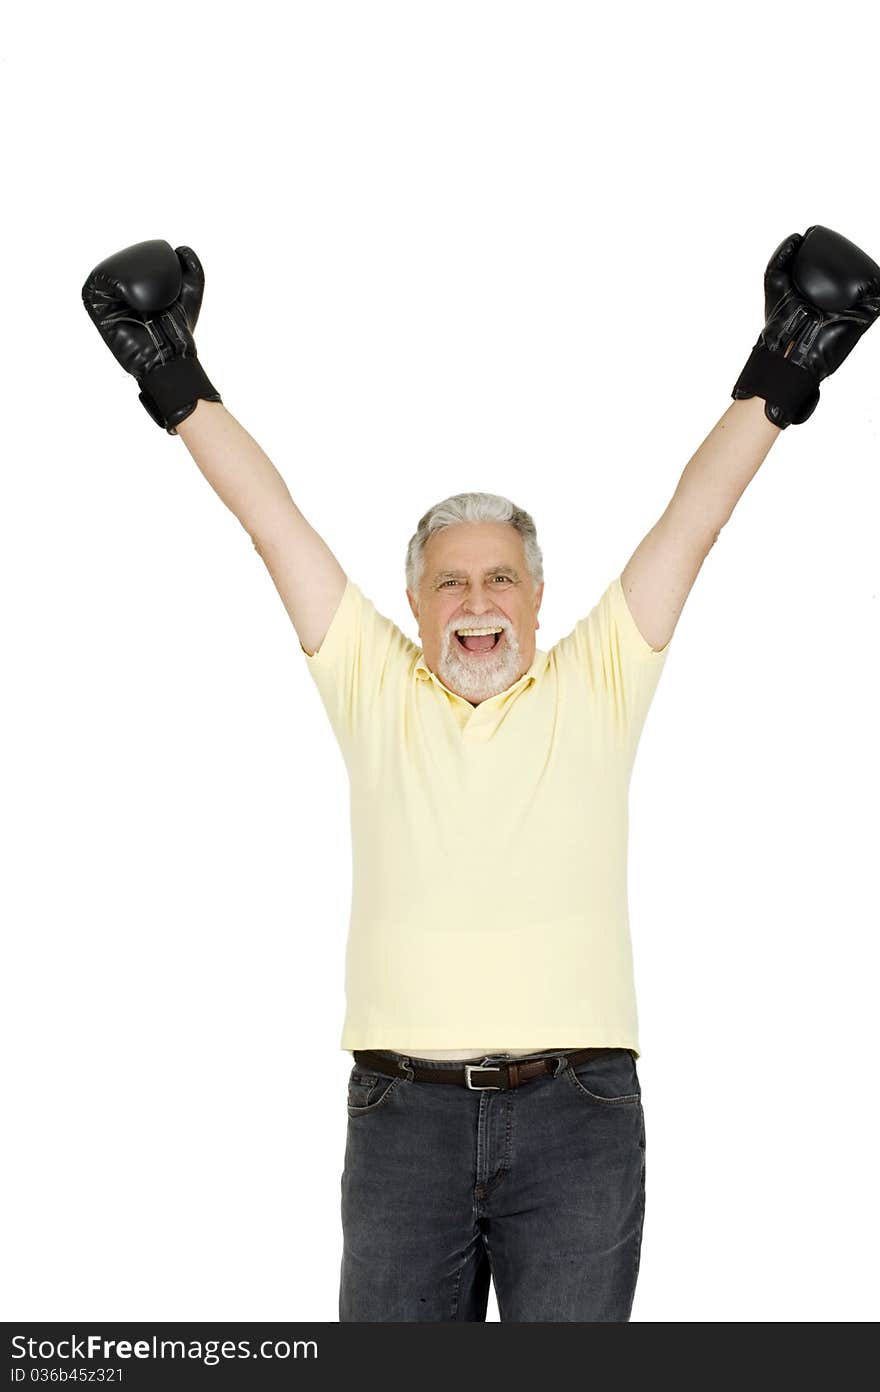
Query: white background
x,y
448,246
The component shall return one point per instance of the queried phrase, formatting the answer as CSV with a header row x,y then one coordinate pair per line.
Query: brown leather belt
x,y
497,1077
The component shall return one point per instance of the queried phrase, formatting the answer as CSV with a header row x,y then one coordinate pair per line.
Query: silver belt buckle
x,y
470,1068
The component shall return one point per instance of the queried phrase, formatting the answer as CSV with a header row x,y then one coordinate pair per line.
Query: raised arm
x,y
821,293
145,302
305,571
658,577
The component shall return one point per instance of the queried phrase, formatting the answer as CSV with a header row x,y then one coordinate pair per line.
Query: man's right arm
x,y
305,572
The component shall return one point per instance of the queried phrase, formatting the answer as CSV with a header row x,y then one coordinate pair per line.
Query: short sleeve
x,y
364,655
621,669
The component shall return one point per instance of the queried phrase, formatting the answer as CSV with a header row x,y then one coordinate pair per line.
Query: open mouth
x,y
484,647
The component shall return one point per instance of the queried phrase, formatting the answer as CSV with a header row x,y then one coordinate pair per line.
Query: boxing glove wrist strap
x,y
790,391
169,393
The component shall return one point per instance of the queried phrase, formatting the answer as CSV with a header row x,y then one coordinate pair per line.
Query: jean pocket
x,y
367,1091
610,1079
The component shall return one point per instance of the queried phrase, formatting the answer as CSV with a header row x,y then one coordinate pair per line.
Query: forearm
x,y
716,477
238,470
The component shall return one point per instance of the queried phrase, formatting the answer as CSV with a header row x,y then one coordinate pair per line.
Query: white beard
x,y
479,676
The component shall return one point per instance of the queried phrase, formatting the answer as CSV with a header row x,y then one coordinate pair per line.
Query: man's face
x,y
475,576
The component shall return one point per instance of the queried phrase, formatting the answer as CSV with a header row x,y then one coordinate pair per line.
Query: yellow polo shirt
x,y
489,842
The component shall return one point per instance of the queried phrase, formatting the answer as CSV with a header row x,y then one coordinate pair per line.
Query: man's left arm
x,y
821,293
658,577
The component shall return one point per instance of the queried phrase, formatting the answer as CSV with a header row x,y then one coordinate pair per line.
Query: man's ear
x,y
539,595
413,604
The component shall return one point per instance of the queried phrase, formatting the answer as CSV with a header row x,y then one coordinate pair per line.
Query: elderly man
x,y
489,947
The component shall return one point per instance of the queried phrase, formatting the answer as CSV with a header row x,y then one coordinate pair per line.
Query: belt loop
x,y
403,1062
561,1064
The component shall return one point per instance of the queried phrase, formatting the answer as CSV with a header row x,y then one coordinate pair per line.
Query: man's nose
x,y
475,617
480,600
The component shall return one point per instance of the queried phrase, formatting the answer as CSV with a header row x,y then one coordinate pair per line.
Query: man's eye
x,y
494,577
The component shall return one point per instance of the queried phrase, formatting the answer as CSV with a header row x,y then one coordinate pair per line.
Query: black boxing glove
x,y
821,292
145,302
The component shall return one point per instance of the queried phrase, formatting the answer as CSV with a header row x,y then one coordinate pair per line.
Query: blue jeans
x,y
540,1187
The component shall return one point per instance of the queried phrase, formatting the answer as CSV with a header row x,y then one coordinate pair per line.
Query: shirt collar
x,y
424,673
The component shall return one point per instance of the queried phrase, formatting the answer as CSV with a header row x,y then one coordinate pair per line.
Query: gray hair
x,y
472,507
